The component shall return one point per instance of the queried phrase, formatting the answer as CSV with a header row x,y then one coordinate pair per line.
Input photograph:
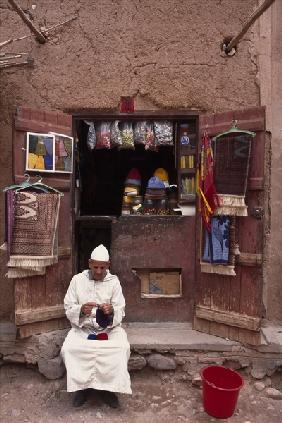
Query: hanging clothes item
x,y
62,150
48,162
34,240
150,143
127,136
232,155
116,139
91,136
216,249
207,191
139,132
103,135
31,222
163,132
40,149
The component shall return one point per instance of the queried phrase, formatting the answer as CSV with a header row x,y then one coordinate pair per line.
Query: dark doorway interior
x,y
103,173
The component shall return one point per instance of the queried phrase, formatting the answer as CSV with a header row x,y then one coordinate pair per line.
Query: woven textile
x,y
217,241
9,218
231,205
34,238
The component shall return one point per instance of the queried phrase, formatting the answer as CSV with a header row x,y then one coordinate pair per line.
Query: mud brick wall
x,y
166,53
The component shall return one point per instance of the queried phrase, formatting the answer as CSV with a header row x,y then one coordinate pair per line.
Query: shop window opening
x,y
102,173
158,283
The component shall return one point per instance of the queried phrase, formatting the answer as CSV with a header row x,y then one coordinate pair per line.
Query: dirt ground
x,y
26,396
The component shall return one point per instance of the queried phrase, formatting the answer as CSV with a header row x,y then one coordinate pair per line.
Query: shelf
x,y
188,171
186,202
187,198
88,218
186,150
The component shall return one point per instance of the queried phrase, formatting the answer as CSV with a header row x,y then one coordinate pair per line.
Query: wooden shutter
x,y
39,299
232,306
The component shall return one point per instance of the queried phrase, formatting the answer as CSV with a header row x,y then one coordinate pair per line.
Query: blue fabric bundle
x,y
155,183
217,241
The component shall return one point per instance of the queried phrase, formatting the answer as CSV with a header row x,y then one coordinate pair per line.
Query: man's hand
x,y
87,308
107,308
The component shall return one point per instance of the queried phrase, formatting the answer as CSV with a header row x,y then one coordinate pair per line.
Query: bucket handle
x,y
217,387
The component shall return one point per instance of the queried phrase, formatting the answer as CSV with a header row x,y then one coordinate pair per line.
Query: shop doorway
x,y
159,242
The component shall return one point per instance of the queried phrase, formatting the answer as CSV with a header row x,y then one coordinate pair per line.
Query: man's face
x,y
98,269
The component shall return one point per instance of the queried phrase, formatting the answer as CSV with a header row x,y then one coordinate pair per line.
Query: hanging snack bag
x,y
139,132
103,135
127,136
150,143
116,140
91,136
163,132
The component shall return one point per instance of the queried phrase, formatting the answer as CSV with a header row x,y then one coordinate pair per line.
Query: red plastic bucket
x,y
221,388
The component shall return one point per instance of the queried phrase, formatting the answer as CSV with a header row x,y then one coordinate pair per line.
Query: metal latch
x,y
257,212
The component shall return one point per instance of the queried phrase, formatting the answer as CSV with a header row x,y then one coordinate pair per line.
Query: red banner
x,y
207,190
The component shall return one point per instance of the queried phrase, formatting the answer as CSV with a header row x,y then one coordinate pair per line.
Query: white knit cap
x,y
100,253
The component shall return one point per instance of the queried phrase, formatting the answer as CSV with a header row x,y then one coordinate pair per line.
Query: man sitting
x,y
96,349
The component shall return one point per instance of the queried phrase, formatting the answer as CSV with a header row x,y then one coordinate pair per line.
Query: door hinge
x,y
257,212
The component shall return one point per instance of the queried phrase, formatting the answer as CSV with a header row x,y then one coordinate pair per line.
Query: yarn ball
x,y
103,319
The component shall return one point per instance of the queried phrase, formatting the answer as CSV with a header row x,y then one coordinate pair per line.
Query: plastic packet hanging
x,y
127,136
91,136
103,135
163,132
150,143
139,132
116,140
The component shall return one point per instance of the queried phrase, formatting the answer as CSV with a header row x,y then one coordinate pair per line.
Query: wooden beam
x,y
45,32
42,327
22,317
60,184
39,36
257,13
229,318
249,259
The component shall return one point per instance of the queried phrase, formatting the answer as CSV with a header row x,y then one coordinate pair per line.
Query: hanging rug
x,y
34,239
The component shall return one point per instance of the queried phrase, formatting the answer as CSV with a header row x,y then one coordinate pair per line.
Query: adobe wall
x,y
273,291
166,52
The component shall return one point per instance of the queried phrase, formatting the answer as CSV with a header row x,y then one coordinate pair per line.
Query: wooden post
x,y
257,13
39,36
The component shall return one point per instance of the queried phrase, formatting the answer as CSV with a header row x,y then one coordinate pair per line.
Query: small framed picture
x,y
49,152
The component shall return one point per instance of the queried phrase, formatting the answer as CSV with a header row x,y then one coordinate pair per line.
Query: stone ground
x,y
26,396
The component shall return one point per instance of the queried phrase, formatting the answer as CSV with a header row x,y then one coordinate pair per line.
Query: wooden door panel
x,y
39,299
232,306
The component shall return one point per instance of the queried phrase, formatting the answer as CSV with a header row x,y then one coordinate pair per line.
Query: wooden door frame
x,y
88,114
211,318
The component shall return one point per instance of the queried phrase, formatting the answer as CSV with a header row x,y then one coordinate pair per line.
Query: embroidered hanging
x,y
232,151
31,222
207,191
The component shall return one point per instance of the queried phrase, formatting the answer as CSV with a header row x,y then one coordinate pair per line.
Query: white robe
x,y
93,363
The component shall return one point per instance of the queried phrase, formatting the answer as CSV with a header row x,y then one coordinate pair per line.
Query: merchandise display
x,y
163,132
103,135
91,136
163,151
127,136
155,201
139,132
116,138
150,143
